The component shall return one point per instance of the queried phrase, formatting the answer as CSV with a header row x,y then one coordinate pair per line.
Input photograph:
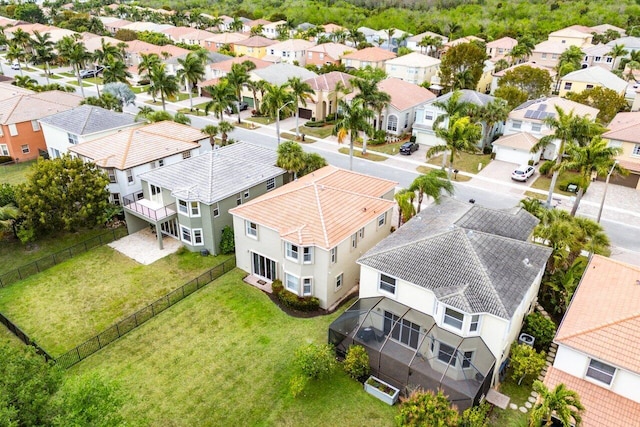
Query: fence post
x,y
78,352
37,266
118,329
99,345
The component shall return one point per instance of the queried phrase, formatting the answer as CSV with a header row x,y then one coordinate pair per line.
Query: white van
x,y
15,66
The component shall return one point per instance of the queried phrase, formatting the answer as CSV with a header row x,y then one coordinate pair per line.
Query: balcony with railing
x,y
148,209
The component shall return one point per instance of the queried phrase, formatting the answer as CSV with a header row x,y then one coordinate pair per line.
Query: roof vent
x,y
526,262
364,209
637,282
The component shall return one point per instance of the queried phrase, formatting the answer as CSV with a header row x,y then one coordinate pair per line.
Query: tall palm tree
x,y
567,127
211,131
107,51
21,38
163,83
568,62
222,96
616,52
290,157
389,33
452,107
237,77
147,62
115,71
236,24
596,158
17,53
191,72
256,86
73,52
406,208
302,92
491,114
461,135
431,184
278,100
425,44
374,98
225,128
355,117
562,403
43,51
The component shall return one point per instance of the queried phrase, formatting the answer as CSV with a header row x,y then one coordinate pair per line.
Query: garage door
x,y
512,156
305,113
626,181
248,100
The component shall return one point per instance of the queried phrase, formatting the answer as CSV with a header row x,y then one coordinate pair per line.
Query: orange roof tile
x,y
321,209
225,66
624,127
256,41
373,54
404,95
603,407
603,319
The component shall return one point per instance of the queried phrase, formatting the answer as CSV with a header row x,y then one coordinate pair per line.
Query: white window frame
x,y
307,254
115,198
536,127
288,277
428,115
194,209
339,281
516,124
467,358
382,220
567,85
392,123
454,320
271,184
600,371
291,251
333,254
35,125
72,138
198,238
238,199
130,178
185,230
361,234
13,129
385,281
453,360
246,194
307,281
251,229
354,241
183,207
24,148
4,150
216,210
475,321
186,155
113,177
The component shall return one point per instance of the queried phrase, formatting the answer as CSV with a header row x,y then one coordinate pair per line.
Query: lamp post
x,y
278,120
604,194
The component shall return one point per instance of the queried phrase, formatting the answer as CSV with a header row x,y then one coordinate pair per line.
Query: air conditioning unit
x,y
526,339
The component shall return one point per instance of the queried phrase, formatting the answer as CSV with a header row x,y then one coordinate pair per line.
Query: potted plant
x,y
380,389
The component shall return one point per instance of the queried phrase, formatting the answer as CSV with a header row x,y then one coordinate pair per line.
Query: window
x,y
13,130
195,208
354,240
292,283
186,154
598,58
238,200
382,219
517,124
111,172
333,254
404,331
35,125
536,127
600,372
115,198
361,233
392,123
271,184
291,251
160,162
554,56
130,178
339,280
216,210
609,59
185,234
307,254
636,150
544,56
24,148
453,318
387,284
475,320
197,237
182,207
589,86
466,361
306,286
246,194
252,229
406,120
4,149
446,354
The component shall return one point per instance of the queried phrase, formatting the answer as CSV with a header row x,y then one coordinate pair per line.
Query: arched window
x,y
392,123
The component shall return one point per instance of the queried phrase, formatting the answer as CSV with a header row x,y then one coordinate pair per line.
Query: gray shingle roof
x,y
514,223
86,119
279,73
467,268
471,96
216,175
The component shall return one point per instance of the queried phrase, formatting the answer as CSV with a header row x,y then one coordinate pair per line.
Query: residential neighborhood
x,y
207,218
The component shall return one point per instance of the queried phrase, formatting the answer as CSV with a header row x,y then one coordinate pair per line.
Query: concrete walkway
x,y
143,246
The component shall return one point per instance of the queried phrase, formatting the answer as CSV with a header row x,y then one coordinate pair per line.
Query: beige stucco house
x,y
374,57
624,132
413,68
588,78
325,98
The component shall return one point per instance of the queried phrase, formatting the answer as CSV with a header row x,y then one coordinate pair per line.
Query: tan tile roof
x,y
225,38
177,32
467,39
321,209
332,28
572,31
404,95
414,59
373,54
504,43
551,71
292,45
602,407
7,90
27,107
603,319
30,28
225,66
520,140
258,22
624,127
550,47
93,42
133,147
418,37
327,82
256,41
565,104
333,50
138,46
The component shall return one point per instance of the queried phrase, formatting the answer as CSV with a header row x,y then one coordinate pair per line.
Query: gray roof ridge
x,y
321,215
86,120
411,243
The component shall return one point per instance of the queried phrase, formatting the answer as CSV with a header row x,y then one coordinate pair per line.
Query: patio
x,y
142,246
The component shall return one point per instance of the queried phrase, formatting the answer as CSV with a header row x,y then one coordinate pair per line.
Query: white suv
x,y
522,173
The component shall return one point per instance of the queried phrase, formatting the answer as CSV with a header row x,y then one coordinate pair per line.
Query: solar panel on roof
x,y
542,107
536,115
527,114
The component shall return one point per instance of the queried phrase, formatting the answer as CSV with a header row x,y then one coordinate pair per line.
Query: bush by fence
x,y
15,330
48,261
125,326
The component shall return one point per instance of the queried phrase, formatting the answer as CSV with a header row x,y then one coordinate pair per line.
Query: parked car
x,y
85,74
15,66
522,173
409,147
236,106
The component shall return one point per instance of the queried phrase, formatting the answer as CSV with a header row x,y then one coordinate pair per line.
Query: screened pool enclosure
x,y
407,349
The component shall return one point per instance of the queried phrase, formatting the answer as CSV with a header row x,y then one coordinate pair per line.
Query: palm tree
x,y
147,62
616,51
562,284
26,82
494,112
17,53
425,44
406,208
222,96
569,61
144,112
432,184
43,51
236,24
390,32
302,92
224,127
596,158
237,77
115,71
211,131
354,118
452,107
566,128
276,101
291,157
74,53
374,98
163,83
256,86
22,39
192,71
107,51
562,403
461,135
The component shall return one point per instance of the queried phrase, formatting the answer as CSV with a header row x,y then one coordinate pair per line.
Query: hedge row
x,y
292,300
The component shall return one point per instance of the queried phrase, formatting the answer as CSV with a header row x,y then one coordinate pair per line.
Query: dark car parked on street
x,y
85,74
408,148
236,106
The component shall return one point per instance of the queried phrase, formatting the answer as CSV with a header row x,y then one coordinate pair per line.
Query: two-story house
x,y
599,55
624,133
190,200
406,98
327,53
500,48
126,154
417,42
374,57
413,68
20,134
309,233
255,47
598,345
214,72
326,95
81,124
275,74
216,41
292,51
588,78
443,298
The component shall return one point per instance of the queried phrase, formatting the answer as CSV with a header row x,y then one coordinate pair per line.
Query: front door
x,y
156,194
263,267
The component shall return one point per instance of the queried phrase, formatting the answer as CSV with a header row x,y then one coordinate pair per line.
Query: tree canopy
x,y
535,82
608,101
462,65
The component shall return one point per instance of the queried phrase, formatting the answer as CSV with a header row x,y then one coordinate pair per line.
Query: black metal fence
x,y
48,261
125,326
13,328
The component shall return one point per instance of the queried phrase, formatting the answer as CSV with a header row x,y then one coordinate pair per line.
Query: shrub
x,y
315,361
297,383
227,241
356,362
526,362
314,124
476,416
182,250
5,159
541,328
277,287
530,162
545,168
293,301
424,408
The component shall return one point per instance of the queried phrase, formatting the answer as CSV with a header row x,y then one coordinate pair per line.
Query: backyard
x,y
71,302
224,356
15,173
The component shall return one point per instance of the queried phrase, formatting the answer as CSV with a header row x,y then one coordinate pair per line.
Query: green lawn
x,y
75,83
390,148
94,80
358,153
321,132
193,113
53,76
15,173
261,120
455,177
71,302
465,162
139,89
519,395
566,177
67,74
223,356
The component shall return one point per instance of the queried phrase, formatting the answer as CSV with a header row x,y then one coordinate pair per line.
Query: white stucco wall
x,y
57,139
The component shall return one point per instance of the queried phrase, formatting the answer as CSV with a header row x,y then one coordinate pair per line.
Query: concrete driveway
x,y
500,172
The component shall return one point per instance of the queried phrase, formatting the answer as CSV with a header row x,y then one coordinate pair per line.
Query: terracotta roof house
x,y
126,154
248,25
93,42
190,200
7,90
516,148
270,30
406,98
21,136
325,97
188,35
309,233
135,48
81,124
216,41
468,39
588,78
575,35
292,51
414,42
443,298
327,53
255,46
414,67
374,57
500,48
332,28
114,25
548,53
220,69
598,344
624,132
